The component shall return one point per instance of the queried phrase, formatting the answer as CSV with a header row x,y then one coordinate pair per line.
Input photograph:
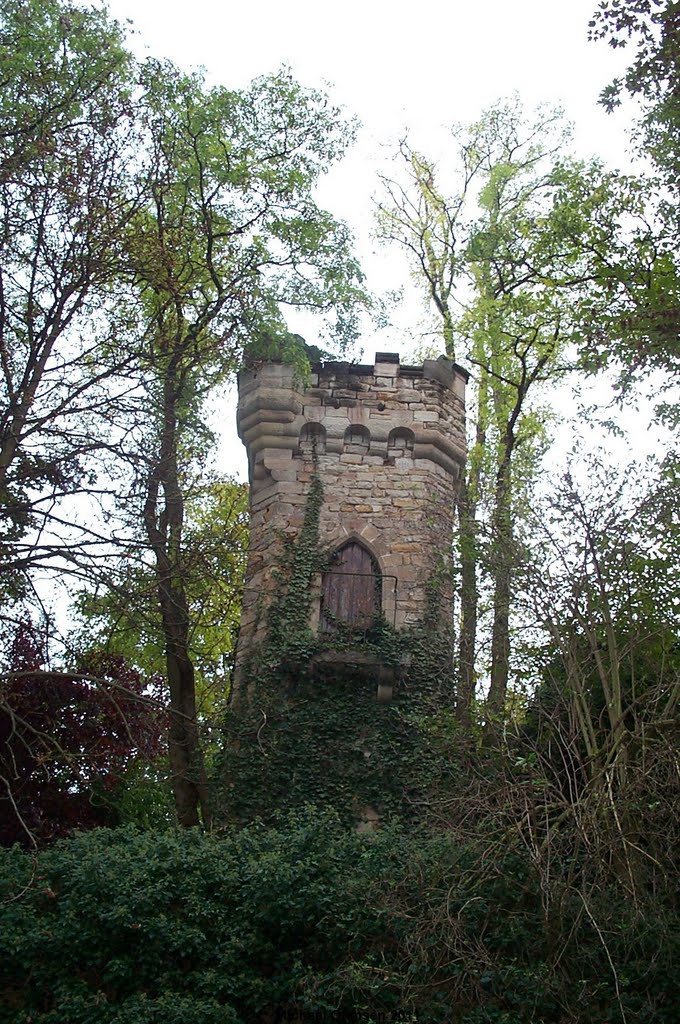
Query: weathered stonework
x,y
387,443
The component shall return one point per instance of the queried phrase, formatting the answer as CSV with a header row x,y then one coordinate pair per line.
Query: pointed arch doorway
x,y
351,590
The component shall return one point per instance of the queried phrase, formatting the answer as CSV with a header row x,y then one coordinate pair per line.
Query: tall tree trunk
x,y
163,521
468,503
468,606
500,637
189,780
501,572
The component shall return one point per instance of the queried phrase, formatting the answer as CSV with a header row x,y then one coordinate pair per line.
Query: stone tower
x,y
352,487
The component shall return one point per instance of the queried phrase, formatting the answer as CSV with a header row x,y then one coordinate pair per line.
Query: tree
x,y
647,335
66,135
120,615
68,738
653,77
231,233
153,229
604,589
498,259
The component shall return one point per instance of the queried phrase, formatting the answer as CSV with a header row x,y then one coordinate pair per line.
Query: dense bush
x,y
309,921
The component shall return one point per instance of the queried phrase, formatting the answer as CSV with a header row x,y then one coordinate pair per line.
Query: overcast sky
x,y
393,64
420,67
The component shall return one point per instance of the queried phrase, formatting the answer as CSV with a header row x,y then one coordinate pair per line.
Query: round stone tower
x,y
345,646
386,444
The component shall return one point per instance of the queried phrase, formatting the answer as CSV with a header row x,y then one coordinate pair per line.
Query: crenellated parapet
x,y
428,401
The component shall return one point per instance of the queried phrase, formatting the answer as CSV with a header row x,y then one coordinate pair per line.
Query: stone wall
x,y
387,443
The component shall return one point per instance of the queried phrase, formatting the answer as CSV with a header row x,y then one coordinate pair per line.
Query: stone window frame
x,y
312,439
357,439
401,450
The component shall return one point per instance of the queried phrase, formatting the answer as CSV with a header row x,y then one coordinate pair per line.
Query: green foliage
x,y
328,740
604,719
152,228
307,918
626,306
57,56
65,128
143,798
122,616
648,335
231,233
652,26
213,925
290,640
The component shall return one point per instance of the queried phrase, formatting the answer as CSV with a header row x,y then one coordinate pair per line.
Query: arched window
x,y
400,443
312,439
357,439
351,589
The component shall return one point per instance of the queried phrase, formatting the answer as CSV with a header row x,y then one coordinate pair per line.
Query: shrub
x,y
306,920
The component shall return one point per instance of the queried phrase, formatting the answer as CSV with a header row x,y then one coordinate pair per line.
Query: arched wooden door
x,y
351,589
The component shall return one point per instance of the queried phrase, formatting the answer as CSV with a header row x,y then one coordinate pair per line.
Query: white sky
x,y
390,63
395,66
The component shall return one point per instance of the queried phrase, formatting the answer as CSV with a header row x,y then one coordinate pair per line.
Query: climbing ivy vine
x,y
312,729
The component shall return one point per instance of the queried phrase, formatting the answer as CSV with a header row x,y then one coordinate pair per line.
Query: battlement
x,y
426,403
